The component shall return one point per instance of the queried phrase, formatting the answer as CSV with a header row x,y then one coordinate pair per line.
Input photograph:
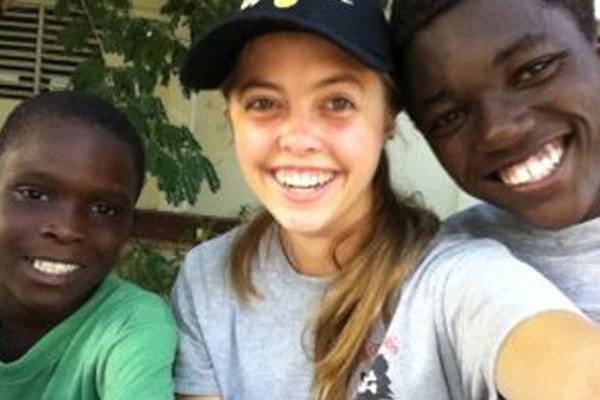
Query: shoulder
x,y
203,280
131,305
206,265
121,317
459,248
483,220
460,269
474,216
133,348
456,260
212,254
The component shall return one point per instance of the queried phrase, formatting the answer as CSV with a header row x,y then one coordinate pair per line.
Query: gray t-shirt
x,y
570,257
442,343
256,351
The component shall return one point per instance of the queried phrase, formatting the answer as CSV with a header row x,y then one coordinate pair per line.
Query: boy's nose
x,y
504,123
65,226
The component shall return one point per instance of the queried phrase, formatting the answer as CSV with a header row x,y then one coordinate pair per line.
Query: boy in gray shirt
x,y
507,94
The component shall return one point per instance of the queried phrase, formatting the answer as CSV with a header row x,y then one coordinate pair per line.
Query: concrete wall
x,y
6,106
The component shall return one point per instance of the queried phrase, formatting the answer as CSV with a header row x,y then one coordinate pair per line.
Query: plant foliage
x,y
150,53
149,267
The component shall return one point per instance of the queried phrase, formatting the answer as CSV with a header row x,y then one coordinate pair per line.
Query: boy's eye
x,y
339,104
107,210
33,194
447,123
538,69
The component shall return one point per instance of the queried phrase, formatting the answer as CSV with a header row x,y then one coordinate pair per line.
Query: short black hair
x,y
84,108
410,16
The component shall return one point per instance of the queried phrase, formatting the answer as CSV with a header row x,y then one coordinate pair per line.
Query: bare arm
x,y
553,356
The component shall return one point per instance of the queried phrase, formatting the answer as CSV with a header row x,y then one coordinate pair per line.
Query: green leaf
x,y
152,52
89,76
62,8
75,35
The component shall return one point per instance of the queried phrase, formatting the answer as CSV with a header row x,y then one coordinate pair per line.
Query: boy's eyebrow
x,y
37,176
525,42
438,96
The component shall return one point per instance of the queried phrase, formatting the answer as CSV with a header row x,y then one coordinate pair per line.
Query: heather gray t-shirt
x,y
442,343
258,351
569,257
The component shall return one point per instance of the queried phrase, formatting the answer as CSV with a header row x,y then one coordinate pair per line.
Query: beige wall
x,y
205,113
142,6
6,106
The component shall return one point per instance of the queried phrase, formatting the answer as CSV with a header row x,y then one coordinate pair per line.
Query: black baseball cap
x,y
358,26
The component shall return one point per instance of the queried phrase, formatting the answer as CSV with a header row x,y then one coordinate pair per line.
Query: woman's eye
x,y
33,194
339,104
539,69
260,105
447,123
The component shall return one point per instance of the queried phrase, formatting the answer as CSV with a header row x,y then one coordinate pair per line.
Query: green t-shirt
x,y
120,344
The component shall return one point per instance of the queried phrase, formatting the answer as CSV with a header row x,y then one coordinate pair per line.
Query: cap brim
x,y
210,60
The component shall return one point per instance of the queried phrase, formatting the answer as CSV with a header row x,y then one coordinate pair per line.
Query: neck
x,y
16,340
594,210
21,328
313,255
308,255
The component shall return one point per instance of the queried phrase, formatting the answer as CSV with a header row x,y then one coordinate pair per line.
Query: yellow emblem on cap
x,y
285,3
282,3
248,3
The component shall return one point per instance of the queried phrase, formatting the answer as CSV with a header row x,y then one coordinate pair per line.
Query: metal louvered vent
x,y
31,60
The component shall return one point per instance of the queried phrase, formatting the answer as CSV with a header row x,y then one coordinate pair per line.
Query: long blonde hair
x,y
365,287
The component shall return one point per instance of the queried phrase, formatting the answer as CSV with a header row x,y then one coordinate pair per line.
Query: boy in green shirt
x,y
71,170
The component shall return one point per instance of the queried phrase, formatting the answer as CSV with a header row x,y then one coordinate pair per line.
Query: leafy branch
x,y
151,53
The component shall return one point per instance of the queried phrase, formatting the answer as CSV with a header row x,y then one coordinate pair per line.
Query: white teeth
x,y
535,168
54,268
303,180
